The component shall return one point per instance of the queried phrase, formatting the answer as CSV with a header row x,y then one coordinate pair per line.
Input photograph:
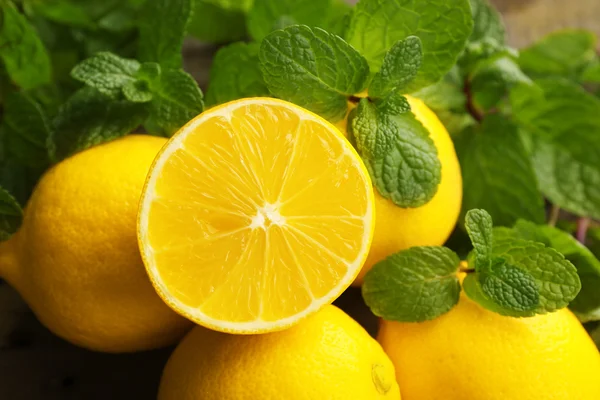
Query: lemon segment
x,y
255,215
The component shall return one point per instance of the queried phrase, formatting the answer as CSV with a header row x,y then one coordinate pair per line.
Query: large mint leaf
x,y
21,49
479,227
11,214
443,27
587,303
235,73
400,67
564,122
162,30
562,53
413,285
219,21
106,72
176,98
497,173
398,152
89,118
26,130
487,22
268,15
313,68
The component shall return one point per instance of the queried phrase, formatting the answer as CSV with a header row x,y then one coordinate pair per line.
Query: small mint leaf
x,y
25,58
413,285
11,214
561,53
137,92
313,68
89,118
510,287
494,161
556,278
487,22
106,72
587,303
235,74
480,227
400,67
393,104
162,30
442,26
176,99
26,130
398,152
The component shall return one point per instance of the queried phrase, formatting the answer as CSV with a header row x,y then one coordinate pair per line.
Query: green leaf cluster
x,y
73,75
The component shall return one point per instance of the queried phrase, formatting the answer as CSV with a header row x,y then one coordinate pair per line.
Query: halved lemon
x,y
255,215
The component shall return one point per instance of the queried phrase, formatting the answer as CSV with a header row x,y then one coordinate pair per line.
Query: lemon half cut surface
x,y
254,215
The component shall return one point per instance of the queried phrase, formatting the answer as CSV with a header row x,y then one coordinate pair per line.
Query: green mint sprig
x,y
509,275
11,214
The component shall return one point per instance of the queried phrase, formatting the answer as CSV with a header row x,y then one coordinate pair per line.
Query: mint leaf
x,y
106,72
11,214
497,173
556,278
442,26
64,12
26,130
398,152
219,21
562,53
447,94
176,99
23,53
313,69
413,285
400,67
89,118
268,15
563,121
510,287
487,22
137,91
591,74
587,303
235,73
479,227
492,82
162,30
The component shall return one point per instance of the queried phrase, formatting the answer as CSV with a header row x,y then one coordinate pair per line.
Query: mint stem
x,y
554,213
582,228
470,105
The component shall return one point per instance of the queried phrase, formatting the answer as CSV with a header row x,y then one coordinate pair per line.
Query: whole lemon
x,y
431,224
75,259
471,353
328,356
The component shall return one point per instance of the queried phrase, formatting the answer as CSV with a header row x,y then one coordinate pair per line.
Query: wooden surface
x,y
35,365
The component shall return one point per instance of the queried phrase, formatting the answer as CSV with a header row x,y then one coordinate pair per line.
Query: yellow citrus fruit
x,y
327,356
398,228
75,259
255,215
474,354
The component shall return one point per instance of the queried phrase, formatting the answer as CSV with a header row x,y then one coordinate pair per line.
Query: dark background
x,y
35,365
